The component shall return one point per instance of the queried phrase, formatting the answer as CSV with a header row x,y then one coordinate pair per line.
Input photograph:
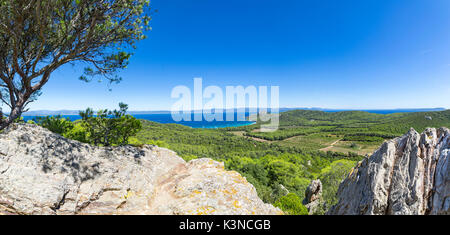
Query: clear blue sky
x,y
325,53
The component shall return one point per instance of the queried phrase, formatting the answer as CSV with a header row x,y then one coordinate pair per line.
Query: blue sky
x,y
348,54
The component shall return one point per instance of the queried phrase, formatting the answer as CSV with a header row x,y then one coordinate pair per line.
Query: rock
x,y
409,175
313,196
44,173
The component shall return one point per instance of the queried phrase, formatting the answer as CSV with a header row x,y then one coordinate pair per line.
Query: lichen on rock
x,y
313,197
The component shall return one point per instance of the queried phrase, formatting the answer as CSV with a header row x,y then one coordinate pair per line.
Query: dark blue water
x,y
167,118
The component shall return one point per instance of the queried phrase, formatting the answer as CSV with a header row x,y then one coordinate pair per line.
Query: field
x,y
352,131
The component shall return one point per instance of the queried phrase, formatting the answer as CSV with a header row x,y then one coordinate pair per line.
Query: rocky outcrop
x,y
44,173
313,196
409,175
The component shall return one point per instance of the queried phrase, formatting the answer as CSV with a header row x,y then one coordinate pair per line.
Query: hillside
x,y
349,131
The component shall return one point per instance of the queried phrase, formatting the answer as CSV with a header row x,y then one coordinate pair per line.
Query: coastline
x,y
167,119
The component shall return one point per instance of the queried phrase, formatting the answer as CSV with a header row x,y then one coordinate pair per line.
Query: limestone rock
x,y
409,175
313,196
44,173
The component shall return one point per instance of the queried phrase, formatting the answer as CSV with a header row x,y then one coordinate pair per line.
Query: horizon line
x,y
291,108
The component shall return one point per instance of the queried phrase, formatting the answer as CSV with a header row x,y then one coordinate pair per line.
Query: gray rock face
x,y
44,173
409,175
313,196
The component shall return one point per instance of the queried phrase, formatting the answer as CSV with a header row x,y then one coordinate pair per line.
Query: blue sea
x,y
166,118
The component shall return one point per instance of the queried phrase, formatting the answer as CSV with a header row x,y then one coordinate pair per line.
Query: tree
x,y
110,127
56,124
331,177
39,36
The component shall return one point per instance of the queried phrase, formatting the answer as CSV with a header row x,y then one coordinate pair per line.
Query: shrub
x,y
109,128
135,142
56,124
354,145
291,205
78,132
331,176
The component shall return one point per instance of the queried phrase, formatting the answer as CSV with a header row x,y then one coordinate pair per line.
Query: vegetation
x,y
330,175
291,204
56,124
109,127
354,131
276,164
286,132
38,37
267,166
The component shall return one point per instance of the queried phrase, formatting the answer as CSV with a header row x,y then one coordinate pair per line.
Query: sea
x,y
166,118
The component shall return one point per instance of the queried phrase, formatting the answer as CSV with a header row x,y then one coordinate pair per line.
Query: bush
x,y
109,128
56,124
78,132
354,145
331,176
291,205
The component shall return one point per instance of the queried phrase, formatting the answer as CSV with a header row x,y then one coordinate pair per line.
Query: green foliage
x,y
56,124
107,128
78,132
31,122
291,204
19,120
135,142
419,121
266,166
331,176
287,132
363,138
189,157
316,130
38,37
349,123
354,146
110,127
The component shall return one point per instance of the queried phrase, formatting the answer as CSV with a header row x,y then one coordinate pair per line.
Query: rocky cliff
x,y
44,173
409,175
313,196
